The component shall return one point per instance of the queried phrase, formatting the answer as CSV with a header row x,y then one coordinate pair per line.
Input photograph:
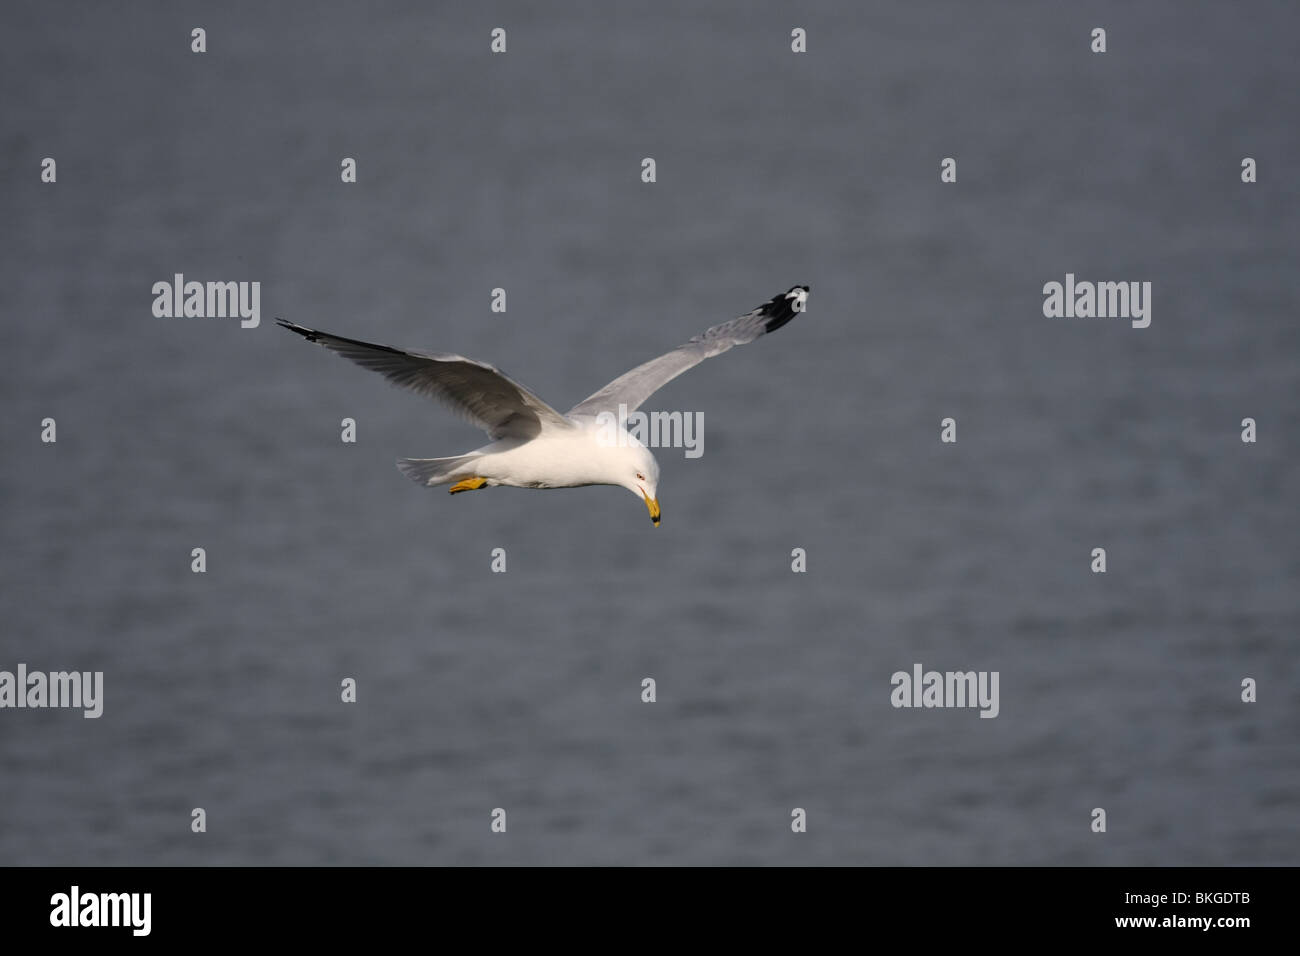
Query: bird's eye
x,y
640,477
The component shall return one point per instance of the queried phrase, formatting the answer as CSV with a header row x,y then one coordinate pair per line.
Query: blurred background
x,y
522,690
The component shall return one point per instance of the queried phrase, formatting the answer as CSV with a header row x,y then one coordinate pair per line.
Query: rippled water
x,y
522,690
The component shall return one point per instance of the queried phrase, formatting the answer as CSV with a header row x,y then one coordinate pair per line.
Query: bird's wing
x,y
632,388
480,393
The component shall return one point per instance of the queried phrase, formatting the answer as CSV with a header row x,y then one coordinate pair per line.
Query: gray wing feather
x,y
631,389
483,395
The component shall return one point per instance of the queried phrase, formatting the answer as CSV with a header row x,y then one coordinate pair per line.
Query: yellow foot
x,y
469,484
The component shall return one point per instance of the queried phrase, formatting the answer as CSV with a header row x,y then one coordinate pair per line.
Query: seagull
x,y
533,445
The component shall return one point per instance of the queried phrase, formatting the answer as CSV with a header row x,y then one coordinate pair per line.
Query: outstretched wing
x,y
632,388
480,393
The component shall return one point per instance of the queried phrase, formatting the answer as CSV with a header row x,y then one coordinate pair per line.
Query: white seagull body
x,y
533,445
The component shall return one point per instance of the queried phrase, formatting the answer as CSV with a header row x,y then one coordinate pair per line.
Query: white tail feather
x,y
431,472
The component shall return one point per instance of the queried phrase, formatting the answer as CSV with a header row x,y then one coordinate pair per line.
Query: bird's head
x,y
640,475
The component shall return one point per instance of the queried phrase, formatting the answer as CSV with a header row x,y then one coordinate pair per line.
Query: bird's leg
x,y
469,484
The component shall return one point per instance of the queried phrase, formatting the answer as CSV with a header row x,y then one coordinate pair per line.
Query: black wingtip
x,y
784,306
309,334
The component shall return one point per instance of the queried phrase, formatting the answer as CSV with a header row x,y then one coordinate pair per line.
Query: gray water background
x,y
522,690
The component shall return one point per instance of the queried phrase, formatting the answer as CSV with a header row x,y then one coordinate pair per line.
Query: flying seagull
x,y
533,445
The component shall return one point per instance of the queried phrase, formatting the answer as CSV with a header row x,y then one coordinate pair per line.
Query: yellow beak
x,y
652,505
